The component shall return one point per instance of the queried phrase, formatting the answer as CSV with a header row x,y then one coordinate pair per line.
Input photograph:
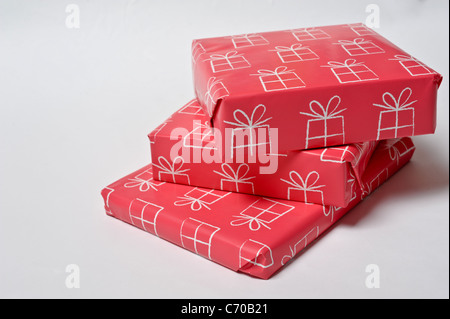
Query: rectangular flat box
x,y
246,233
182,145
319,87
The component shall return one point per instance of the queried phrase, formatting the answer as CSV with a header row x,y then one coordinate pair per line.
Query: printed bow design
x,y
174,168
226,56
393,146
357,41
394,152
352,182
304,240
195,203
294,47
287,258
391,103
254,223
277,72
304,29
330,210
144,185
202,131
210,95
237,177
349,63
403,58
307,184
246,36
324,113
255,120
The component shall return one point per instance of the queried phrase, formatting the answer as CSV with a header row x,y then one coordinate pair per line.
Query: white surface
x,y
77,104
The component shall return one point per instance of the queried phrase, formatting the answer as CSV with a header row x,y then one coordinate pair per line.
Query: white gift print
x,y
301,244
173,170
309,34
261,213
398,115
228,61
198,198
360,46
255,253
397,148
143,214
307,187
351,71
197,236
238,178
326,123
248,40
197,51
201,137
192,108
295,53
215,91
245,124
107,208
361,29
144,181
279,79
412,65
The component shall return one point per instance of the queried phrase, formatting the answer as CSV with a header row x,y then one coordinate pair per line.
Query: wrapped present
x,y
183,152
288,72
246,233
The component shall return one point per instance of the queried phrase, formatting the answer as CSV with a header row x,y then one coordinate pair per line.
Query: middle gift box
x,y
185,151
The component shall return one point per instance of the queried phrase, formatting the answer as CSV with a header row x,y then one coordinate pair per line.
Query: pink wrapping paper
x,y
319,86
246,233
326,176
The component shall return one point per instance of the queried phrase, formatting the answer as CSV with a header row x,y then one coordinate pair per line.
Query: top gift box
x,y
319,87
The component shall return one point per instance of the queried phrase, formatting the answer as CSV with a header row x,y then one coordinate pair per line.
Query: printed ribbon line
x,y
293,47
391,103
205,131
327,112
174,168
144,185
211,83
349,63
246,36
287,258
404,58
210,97
254,223
352,182
304,30
330,210
307,184
254,121
357,41
394,152
277,72
281,70
305,240
237,177
196,203
227,56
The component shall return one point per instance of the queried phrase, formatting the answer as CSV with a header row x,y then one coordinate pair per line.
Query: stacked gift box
x,y
288,131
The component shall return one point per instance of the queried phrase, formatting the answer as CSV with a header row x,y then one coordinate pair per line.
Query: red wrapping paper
x,y
246,233
320,86
326,176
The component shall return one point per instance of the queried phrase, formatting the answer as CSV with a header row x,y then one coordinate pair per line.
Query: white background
x,y
76,106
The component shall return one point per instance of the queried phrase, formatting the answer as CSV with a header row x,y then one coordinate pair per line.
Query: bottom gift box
x,y
246,233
